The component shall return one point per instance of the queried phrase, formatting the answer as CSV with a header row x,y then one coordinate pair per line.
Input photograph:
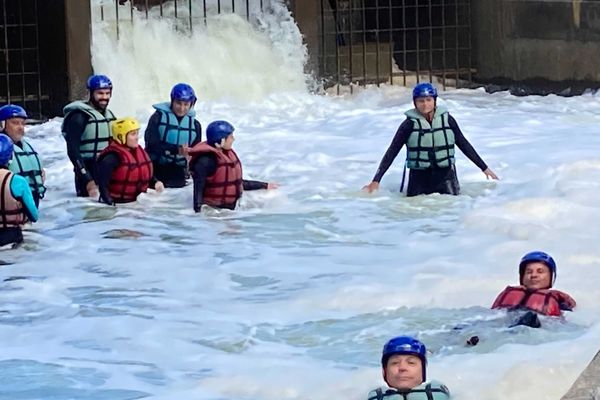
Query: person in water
x,y
16,201
86,129
537,274
217,170
430,134
124,169
26,161
171,131
404,369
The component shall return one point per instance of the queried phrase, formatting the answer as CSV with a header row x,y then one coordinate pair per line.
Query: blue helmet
x,y
6,149
537,256
96,82
12,111
405,345
424,90
183,92
217,131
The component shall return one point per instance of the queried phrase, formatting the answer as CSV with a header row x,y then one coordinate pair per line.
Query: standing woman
x,y
430,134
124,168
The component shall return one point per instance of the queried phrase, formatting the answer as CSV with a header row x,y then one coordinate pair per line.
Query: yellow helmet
x,y
122,126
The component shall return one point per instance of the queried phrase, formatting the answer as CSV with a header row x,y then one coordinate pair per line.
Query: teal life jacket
x,y
97,132
175,131
426,391
430,145
26,162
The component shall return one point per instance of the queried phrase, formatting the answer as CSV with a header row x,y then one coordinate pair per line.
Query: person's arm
x,y
74,125
105,168
463,144
19,188
254,185
154,146
400,139
198,129
203,166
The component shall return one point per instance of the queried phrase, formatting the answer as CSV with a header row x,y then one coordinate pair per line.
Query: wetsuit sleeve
x,y
203,166
73,127
463,144
105,168
198,129
154,146
254,185
399,140
19,188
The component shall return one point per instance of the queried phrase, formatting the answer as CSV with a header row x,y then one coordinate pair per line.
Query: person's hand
x,y
43,176
184,150
490,174
159,186
371,187
92,189
272,185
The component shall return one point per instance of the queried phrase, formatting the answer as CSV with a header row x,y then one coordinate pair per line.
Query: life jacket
x,y
225,186
26,162
133,174
96,134
171,130
11,209
544,301
430,145
426,391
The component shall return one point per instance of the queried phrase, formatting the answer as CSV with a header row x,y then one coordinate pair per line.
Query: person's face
x,y
101,97
425,105
403,371
537,275
15,128
228,142
180,108
132,138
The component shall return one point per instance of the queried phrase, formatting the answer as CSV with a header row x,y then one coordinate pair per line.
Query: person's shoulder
x,y
376,393
19,183
435,384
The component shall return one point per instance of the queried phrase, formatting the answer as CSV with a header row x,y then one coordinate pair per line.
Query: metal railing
x,y
395,41
20,76
193,11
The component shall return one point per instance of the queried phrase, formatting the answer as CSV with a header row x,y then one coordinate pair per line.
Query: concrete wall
x,y
307,14
78,27
524,39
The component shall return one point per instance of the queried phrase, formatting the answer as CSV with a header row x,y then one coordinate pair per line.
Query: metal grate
x,y
193,11
395,41
20,80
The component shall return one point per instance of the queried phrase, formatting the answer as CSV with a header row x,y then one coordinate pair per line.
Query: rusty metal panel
x,y
395,41
20,77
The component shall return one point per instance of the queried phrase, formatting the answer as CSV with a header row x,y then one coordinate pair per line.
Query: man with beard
x,y
86,129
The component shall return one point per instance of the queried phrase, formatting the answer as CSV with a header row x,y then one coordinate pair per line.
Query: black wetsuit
x,y
430,180
84,169
171,175
104,170
205,165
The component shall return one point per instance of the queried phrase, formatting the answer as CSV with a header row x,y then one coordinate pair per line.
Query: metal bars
x,y
20,75
177,9
375,41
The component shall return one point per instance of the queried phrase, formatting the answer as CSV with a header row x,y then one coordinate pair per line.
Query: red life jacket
x,y
544,301
11,209
133,174
224,187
